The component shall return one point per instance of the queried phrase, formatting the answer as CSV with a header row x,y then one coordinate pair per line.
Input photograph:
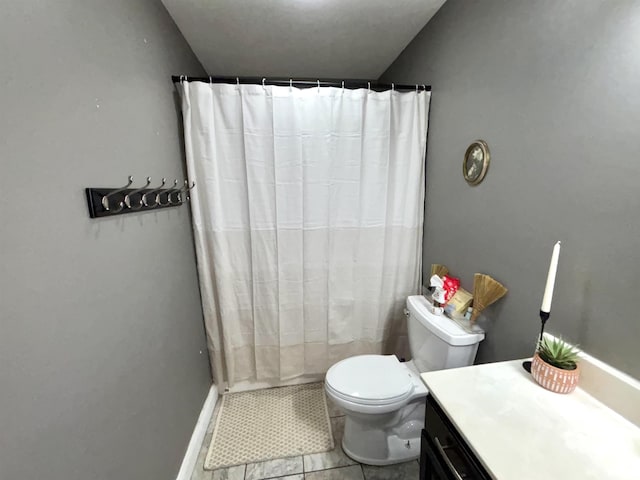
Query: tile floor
x,y
333,465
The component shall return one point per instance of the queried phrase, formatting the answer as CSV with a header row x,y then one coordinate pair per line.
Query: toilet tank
x,y
436,341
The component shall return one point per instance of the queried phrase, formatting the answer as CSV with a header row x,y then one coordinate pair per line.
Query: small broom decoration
x,y
437,269
486,291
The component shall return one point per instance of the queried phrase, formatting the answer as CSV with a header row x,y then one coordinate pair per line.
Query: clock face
x,y
476,162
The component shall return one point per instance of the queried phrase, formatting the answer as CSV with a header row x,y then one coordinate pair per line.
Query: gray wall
x,y
103,363
553,87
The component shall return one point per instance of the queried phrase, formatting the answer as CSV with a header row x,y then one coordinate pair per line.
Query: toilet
x,y
384,399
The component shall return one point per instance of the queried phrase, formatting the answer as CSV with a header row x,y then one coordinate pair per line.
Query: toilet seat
x,y
370,380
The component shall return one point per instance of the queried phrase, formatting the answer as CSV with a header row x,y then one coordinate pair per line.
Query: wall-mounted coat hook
x,y
174,192
183,195
138,204
155,198
105,198
168,193
105,202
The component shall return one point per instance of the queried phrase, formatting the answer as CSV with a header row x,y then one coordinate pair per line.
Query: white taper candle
x,y
551,279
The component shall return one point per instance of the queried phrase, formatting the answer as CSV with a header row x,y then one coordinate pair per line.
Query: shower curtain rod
x,y
304,83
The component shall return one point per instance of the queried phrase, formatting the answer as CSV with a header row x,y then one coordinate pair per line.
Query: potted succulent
x,y
555,365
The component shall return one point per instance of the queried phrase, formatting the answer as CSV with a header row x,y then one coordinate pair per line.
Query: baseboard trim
x,y
199,432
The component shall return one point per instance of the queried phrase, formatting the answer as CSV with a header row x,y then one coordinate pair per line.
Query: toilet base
x,y
399,450
384,439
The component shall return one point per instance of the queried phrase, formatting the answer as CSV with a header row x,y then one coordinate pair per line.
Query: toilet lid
x,y
368,378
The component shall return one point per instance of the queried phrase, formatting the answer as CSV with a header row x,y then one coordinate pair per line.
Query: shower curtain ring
x,y
393,87
318,86
210,80
105,199
263,80
343,85
290,83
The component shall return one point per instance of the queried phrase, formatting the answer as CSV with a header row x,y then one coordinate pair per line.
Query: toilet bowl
x,y
384,399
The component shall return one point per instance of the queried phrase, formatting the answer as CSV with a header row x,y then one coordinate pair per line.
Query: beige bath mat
x,y
267,424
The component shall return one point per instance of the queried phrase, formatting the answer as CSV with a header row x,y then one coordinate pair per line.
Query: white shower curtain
x,y
307,216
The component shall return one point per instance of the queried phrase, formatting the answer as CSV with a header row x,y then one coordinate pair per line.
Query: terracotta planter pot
x,y
554,378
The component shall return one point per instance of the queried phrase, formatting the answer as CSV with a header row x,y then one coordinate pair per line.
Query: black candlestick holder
x,y
544,316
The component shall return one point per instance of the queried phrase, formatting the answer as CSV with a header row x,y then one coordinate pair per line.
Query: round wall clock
x,y
476,162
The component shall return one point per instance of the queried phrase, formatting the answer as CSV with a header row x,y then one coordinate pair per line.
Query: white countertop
x,y
521,431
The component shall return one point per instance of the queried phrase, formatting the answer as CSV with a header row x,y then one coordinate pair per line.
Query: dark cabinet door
x,y
444,454
430,467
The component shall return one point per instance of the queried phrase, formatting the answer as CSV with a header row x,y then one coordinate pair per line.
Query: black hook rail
x,y
107,202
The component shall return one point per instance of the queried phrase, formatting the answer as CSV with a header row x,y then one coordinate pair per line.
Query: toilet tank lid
x,y
440,325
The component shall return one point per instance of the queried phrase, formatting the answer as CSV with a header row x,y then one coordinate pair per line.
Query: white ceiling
x,y
300,38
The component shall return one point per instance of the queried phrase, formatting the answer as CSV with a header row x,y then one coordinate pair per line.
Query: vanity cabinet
x,y
494,421
444,454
